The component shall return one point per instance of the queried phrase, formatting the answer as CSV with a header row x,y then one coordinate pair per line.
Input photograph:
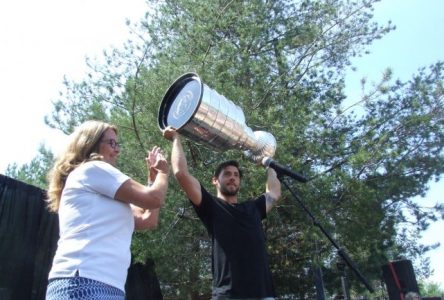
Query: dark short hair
x,y
225,164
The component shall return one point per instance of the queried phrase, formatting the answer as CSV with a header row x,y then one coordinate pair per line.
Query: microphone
x,y
280,169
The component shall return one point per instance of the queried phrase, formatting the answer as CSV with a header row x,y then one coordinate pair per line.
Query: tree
x,y
34,172
284,63
431,289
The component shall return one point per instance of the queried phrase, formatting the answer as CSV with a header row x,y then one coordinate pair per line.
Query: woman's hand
x,y
156,162
150,160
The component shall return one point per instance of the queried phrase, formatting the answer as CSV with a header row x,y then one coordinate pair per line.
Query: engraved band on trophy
x,y
203,115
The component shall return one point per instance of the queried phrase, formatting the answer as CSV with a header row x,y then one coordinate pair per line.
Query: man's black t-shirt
x,y
239,258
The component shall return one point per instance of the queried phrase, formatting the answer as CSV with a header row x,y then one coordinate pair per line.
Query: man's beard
x,y
226,192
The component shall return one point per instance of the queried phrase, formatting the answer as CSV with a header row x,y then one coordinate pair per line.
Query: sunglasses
x,y
113,143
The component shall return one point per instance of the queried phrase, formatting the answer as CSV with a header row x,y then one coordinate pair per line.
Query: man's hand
x,y
169,133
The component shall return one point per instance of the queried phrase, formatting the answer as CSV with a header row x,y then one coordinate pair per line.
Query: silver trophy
x,y
204,116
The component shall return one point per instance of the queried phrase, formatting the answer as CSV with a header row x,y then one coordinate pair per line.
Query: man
x,y
239,258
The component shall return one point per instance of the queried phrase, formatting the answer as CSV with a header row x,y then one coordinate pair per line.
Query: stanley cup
x,y
204,116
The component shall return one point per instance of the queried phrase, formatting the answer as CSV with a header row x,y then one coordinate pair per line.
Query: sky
x,y
42,41
418,41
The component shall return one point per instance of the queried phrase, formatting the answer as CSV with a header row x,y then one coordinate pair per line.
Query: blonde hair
x,y
83,147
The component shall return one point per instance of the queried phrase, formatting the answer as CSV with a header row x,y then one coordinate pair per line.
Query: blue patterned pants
x,y
81,288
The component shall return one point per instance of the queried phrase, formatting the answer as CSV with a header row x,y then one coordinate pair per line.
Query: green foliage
x,y
34,172
283,62
431,289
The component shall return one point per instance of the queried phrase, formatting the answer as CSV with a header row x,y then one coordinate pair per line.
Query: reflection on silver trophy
x,y
201,114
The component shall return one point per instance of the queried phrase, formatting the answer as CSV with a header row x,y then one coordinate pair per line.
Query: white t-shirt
x,y
95,229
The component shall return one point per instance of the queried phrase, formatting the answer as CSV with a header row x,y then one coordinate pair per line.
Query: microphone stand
x,y
341,252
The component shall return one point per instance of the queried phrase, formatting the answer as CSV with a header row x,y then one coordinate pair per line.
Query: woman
x,y
99,207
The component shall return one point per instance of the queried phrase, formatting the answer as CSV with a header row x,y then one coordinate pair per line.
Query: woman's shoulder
x,y
94,165
97,169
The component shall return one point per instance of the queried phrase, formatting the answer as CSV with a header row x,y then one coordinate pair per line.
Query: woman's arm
x,y
147,197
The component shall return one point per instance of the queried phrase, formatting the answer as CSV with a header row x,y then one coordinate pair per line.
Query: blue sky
x,y
41,41
418,41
